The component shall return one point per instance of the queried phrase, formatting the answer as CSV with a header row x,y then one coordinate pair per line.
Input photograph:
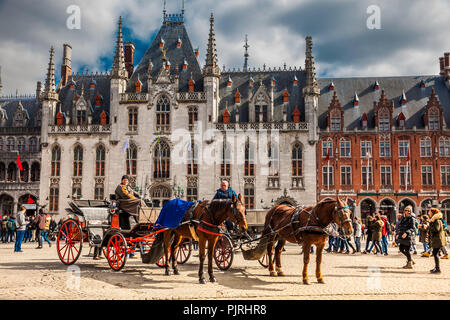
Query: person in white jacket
x,y
358,233
21,225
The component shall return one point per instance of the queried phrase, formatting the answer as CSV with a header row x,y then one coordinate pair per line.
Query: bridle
x,y
236,212
339,210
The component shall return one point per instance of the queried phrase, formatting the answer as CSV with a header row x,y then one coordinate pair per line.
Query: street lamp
x,y
178,192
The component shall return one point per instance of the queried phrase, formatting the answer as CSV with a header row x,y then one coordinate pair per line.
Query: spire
x,y
119,70
311,81
1,86
50,92
246,55
211,68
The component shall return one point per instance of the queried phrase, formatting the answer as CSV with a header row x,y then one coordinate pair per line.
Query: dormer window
x,y
237,97
422,84
401,120
285,96
168,65
433,119
295,81
229,82
161,43
226,116
356,100
403,99
98,100
335,120
296,115
178,43
138,86
81,117
383,120
251,82
331,87
376,86
364,120
185,65
59,119
103,118
191,85
273,81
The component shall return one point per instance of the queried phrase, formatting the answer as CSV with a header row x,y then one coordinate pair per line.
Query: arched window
x,y
273,160
297,160
24,174
21,144
99,193
11,173
384,122
132,160
192,165
335,120
78,161
1,144
433,119
2,171
160,195
11,144
163,114
225,166
249,196
249,162
33,145
56,162
54,199
161,160
132,119
193,117
100,161
444,146
35,172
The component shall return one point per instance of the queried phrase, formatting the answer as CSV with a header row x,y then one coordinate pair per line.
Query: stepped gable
x,y
416,98
284,79
102,87
171,33
8,107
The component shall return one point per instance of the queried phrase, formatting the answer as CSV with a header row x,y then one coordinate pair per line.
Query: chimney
x,y
66,67
447,59
129,57
441,66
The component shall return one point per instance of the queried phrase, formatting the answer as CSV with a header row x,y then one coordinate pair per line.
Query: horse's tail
x,y
156,251
261,248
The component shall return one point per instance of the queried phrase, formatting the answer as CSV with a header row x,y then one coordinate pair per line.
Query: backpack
x,y
11,225
387,226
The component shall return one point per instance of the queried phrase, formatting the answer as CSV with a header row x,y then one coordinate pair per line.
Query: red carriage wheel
x,y
184,251
69,242
117,251
264,261
223,253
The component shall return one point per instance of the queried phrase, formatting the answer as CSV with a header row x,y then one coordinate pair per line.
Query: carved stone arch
x,y
166,140
286,200
260,97
159,193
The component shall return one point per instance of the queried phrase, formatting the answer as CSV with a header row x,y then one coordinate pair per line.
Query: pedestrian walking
x,y
21,225
4,228
358,233
384,234
437,236
423,234
11,225
42,223
369,234
377,229
404,235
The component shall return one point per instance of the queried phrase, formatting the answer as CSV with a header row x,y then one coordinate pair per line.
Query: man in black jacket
x,y
404,235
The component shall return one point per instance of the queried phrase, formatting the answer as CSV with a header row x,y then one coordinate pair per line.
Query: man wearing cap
x,y
225,192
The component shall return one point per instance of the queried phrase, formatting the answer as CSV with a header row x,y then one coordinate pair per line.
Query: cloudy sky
x,y
413,34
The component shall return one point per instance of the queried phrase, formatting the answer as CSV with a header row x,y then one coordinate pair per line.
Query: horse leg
x,y
211,246
201,255
319,252
167,236
306,254
278,251
173,257
269,255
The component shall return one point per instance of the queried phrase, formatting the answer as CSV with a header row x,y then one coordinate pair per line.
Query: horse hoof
x,y
305,282
273,274
212,279
202,281
280,273
176,272
167,273
320,281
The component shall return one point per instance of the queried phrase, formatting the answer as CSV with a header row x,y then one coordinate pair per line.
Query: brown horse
x,y
212,213
306,229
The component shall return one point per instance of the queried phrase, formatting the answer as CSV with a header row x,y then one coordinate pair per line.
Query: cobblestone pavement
x,y
38,274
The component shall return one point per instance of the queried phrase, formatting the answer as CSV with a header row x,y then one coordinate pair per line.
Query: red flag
x,y
30,200
328,155
19,163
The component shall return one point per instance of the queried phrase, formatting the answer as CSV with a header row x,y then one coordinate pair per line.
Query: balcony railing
x,y
191,96
133,97
77,129
289,126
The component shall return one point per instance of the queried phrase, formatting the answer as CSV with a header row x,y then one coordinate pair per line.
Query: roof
x,y
10,105
416,98
241,80
170,33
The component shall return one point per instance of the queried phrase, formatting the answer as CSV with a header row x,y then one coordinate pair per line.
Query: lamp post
x,y
178,192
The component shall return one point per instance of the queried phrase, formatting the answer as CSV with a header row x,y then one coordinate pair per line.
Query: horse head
x,y
341,216
237,214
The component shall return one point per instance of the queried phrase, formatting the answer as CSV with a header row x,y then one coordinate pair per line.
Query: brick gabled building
x,y
389,142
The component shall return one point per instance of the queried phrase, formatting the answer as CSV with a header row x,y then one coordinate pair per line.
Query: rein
x,y
213,228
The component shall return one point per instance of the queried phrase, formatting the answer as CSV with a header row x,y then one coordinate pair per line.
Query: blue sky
x,y
413,34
